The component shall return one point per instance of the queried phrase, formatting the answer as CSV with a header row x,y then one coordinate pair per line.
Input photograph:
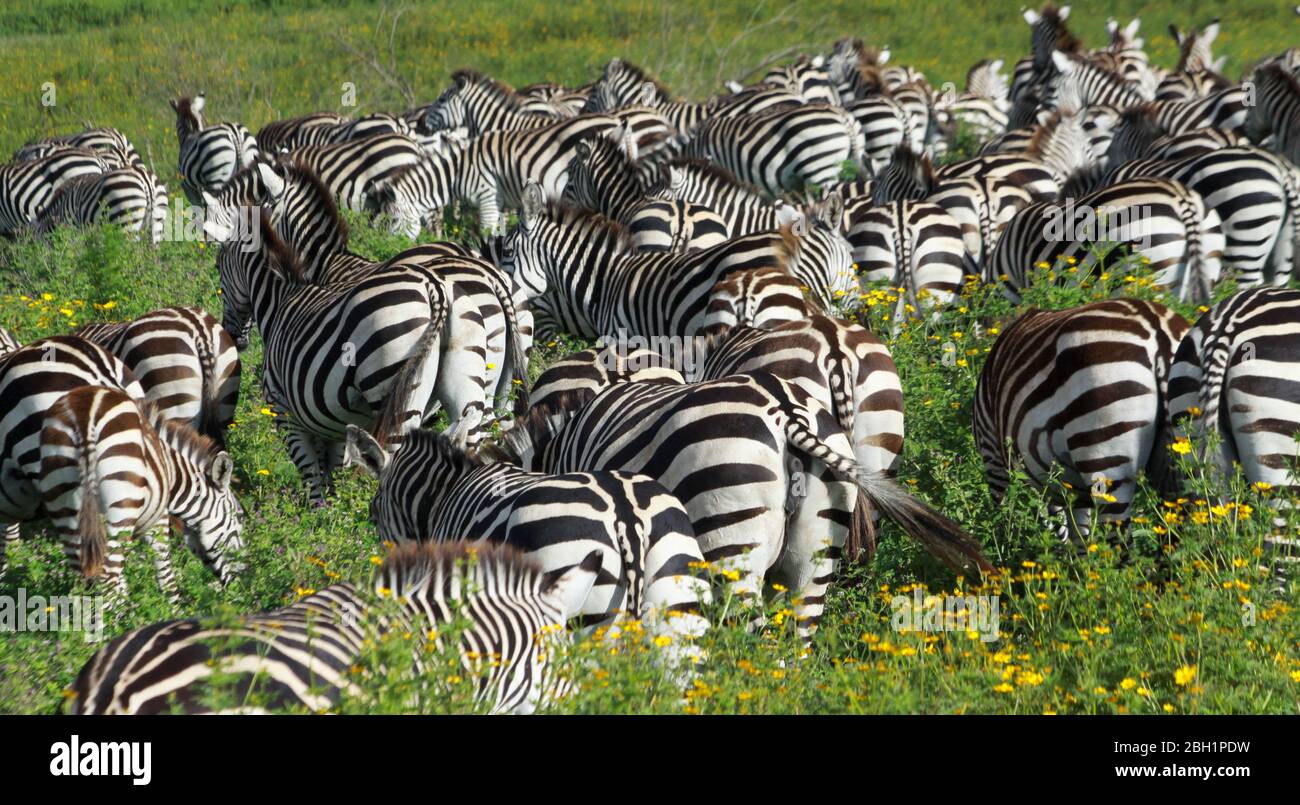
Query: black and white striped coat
x,y
113,467
131,198
1157,219
361,353
109,143
305,655
27,187
1080,395
433,489
209,155
185,360
765,472
295,132
351,168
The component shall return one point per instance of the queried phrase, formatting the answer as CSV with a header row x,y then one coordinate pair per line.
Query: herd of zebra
x,y
626,483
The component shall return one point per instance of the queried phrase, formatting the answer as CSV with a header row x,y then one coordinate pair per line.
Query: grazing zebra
x,y
604,177
209,155
112,466
485,351
760,297
305,655
350,353
185,360
490,172
1236,374
131,198
1276,111
1158,219
433,488
32,379
352,168
109,143
765,472
1079,392
914,245
1251,192
885,125
27,187
780,149
291,133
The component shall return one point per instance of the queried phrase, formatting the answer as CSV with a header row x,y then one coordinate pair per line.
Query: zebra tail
x,y
857,143
937,533
208,424
90,521
516,354
398,400
1194,279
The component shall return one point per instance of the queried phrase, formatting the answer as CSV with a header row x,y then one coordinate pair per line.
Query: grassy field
x,y
1184,625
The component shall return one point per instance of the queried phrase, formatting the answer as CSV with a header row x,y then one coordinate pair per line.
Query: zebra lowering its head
x,y
306,655
433,488
131,198
1236,376
765,472
27,187
113,467
1082,390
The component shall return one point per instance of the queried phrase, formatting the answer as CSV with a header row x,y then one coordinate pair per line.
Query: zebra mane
x,y
499,90
319,193
427,440
537,427
640,75
916,167
1066,41
571,216
281,253
1276,73
411,568
180,435
712,170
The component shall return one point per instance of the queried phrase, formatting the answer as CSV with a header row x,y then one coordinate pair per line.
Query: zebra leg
x,y
305,452
815,535
160,543
11,535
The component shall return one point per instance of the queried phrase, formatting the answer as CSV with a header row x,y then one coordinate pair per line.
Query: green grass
x,y
1079,634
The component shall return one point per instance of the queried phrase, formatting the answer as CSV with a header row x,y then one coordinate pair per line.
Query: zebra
x,y
884,124
491,172
480,104
981,109
350,353
914,245
623,84
1160,220
111,465
209,155
185,361
8,343
1080,392
743,209
1234,377
304,655
131,198
295,132
485,352
110,143
808,78
982,207
1057,150
27,187
1124,56
1276,111
780,149
433,488
32,378
1093,86
350,169
909,177
604,177
582,277
764,471
856,71
1253,195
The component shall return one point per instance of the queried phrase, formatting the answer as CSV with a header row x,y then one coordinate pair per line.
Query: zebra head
x,y
624,84
1048,33
213,517
245,270
520,252
189,115
448,112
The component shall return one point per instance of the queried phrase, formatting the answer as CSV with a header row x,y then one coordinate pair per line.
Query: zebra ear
x,y
883,58
569,590
1031,16
1132,29
1064,65
1064,13
273,181
198,102
221,470
629,144
1217,64
647,93
1173,31
1112,25
363,449
833,211
1211,31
